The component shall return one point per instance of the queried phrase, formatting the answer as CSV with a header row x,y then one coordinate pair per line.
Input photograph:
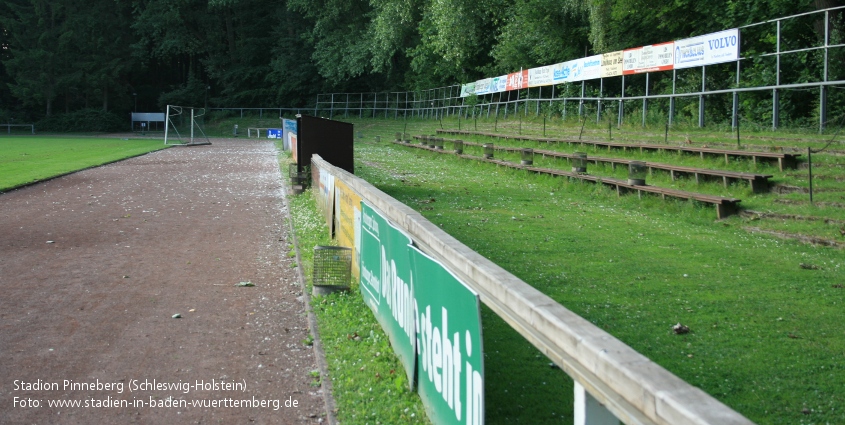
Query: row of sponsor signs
x,y
430,316
287,133
703,50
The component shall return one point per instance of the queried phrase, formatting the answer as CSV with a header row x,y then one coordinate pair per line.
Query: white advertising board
x,y
611,64
707,49
483,86
590,68
656,57
542,76
564,72
499,84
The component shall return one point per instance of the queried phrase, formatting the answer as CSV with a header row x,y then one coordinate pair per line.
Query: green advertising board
x,y
450,358
431,317
386,283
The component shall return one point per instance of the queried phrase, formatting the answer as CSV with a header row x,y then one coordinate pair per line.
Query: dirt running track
x,y
132,244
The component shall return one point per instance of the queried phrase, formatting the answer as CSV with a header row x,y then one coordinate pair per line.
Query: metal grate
x,y
332,266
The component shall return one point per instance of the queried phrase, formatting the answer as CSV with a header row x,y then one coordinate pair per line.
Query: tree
x,y
539,32
38,43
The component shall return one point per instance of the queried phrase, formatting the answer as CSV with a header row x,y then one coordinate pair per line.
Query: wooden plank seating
x,y
759,182
784,160
725,207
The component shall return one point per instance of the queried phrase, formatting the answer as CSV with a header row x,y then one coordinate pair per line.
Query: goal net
x,y
185,126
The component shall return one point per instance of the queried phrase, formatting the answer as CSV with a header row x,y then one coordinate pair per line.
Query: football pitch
x,y
25,160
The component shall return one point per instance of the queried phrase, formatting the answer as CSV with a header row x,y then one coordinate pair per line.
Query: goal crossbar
x,y
193,134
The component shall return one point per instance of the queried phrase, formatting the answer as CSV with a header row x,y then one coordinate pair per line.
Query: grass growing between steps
x,y
764,312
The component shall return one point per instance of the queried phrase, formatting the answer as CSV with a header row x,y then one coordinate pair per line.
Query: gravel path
x,y
94,265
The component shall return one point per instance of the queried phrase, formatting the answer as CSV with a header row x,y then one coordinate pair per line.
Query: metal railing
x,y
610,95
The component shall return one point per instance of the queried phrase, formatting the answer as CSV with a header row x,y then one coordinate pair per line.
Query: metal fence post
x,y
539,96
775,97
621,105
581,102
645,99
701,97
598,102
672,99
735,120
823,89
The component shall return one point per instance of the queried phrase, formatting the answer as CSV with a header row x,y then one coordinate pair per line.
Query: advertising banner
x,y
564,72
325,197
274,133
499,84
611,64
483,86
707,49
451,358
292,146
657,57
590,68
542,76
467,89
347,215
386,284
517,80
288,127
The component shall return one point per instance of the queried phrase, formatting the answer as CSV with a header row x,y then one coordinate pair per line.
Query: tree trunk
x,y
230,35
49,107
819,24
105,98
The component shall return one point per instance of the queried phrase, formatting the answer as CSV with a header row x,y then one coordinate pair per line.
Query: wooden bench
x,y
759,182
725,207
784,160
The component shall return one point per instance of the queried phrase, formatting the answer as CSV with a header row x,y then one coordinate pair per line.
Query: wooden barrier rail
x,y
784,160
759,182
611,378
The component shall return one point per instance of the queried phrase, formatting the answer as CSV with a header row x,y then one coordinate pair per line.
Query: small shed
x,y
148,121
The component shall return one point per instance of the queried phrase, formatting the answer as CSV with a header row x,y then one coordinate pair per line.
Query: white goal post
x,y
183,127
9,127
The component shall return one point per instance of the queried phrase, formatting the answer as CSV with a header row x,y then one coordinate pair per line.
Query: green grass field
x,y
764,311
28,159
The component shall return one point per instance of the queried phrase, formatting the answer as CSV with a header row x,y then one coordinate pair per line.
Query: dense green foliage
x,y
123,55
83,120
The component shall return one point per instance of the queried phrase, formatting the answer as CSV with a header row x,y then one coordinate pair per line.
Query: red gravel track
x,y
132,244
